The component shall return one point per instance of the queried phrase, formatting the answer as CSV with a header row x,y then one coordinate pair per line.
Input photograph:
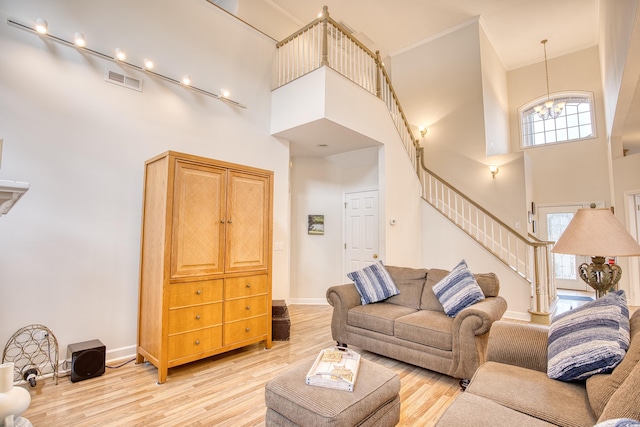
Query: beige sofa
x,y
412,326
512,387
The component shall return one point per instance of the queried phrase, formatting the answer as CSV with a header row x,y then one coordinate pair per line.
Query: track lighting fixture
x,y
78,40
42,26
120,55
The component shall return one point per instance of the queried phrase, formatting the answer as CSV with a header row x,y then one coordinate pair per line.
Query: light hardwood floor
x,y
224,390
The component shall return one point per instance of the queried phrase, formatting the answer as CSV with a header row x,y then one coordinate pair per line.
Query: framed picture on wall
x,y
316,224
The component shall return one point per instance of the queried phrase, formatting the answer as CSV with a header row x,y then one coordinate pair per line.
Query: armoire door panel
x,y
198,220
248,219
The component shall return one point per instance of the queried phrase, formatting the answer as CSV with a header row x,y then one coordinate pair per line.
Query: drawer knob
x,y
198,292
197,342
247,330
248,307
248,285
197,317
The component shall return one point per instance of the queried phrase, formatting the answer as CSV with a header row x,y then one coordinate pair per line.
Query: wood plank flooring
x,y
224,390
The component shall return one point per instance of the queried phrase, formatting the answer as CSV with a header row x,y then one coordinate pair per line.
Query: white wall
x,y
70,247
318,185
495,98
574,171
441,85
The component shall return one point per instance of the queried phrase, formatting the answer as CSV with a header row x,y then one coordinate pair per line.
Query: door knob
x,y
375,256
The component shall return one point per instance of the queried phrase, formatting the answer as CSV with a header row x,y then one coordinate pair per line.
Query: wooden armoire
x,y
205,266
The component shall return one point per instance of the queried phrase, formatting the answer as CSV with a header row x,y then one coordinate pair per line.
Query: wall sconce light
x,y
494,171
42,26
78,40
423,130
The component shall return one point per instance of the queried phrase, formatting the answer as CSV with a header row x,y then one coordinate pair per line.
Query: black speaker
x,y
87,359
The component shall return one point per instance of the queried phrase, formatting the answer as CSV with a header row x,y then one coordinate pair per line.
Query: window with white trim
x,y
575,122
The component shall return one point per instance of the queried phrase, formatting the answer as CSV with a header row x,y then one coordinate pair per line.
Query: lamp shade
x,y
596,232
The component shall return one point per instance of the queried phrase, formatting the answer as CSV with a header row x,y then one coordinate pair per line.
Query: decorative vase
x,y
13,400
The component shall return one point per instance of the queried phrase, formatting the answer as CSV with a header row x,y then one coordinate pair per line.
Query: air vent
x,y
122,80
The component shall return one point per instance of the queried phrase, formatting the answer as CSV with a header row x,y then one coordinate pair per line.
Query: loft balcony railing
x,y
324,42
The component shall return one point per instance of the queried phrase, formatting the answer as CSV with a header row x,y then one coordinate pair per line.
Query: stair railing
x,y
325,42
531,259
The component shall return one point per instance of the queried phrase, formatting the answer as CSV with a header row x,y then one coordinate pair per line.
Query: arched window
x,y
575,122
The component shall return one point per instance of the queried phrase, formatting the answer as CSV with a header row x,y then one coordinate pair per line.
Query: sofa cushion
x,y
431,328
471,410
458,290
410,282
489,284
373,283
378,317
625,402
533,393
588,340
601,387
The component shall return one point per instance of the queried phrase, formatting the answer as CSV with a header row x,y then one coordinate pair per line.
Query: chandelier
x,y
549,109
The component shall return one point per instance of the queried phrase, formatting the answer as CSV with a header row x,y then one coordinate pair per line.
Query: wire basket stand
x,y
34,353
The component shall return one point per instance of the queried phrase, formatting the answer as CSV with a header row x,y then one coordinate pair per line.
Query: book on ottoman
x,y
335,367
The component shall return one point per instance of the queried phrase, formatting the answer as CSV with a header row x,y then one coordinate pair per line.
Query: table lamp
x,y
597,233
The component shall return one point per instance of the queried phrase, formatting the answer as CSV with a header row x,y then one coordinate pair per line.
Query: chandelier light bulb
x,y
148,64
120,55
42,26
186,80
78,39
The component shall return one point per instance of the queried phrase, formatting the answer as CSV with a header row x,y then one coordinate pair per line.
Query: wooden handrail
x,y
476,205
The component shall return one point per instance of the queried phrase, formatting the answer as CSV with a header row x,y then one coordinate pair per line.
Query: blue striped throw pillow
x,y
458,290
619,422
591,339
374,283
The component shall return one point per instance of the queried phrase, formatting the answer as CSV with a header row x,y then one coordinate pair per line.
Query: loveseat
x,y
512,388
412,325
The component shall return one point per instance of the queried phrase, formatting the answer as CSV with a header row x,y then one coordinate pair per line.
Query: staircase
x,y
326,43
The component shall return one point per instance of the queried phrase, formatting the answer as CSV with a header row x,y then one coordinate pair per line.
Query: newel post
x,y
325,46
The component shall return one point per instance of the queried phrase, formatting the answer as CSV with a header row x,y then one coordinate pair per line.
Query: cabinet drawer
x,y
191,293
245,307
245,330
238,287
195,317
188,343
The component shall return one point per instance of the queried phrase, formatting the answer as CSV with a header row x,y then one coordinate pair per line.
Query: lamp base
x,y
600,276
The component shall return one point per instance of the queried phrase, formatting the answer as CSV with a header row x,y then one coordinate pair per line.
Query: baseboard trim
x,y
308,301
516,315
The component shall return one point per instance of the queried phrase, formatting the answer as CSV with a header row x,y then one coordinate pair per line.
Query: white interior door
x,y
361,230
552,222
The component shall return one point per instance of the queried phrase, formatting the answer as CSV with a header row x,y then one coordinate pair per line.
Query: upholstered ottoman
x,y
374,401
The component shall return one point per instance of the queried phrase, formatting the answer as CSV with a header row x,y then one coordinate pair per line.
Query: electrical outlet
x,y
41,335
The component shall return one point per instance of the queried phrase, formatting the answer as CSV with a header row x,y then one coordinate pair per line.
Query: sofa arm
x,y
470,335
478,318
519,344
342,298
